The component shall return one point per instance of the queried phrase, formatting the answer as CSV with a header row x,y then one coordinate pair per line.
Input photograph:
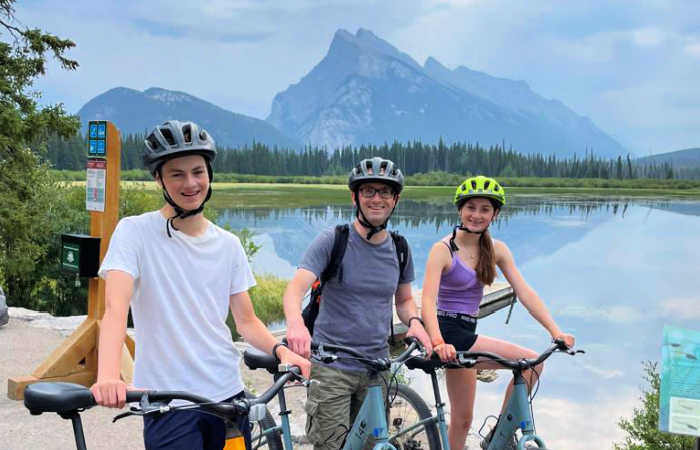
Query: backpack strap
x,y
402,255
342,232
401,250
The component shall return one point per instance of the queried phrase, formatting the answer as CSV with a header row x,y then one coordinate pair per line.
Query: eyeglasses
x,y
368,192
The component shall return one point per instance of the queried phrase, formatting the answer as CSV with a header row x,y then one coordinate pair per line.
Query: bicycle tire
x,y
407,409
273,441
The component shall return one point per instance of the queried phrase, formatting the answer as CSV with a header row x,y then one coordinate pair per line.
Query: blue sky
x,y
631,66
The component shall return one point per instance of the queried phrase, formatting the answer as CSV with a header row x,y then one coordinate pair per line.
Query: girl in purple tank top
x,y
458,267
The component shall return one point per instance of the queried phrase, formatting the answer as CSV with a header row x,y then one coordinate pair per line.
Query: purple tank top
x,y
460,290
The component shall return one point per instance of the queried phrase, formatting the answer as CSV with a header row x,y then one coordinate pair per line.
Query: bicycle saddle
x,y
426,365
256,360
57,397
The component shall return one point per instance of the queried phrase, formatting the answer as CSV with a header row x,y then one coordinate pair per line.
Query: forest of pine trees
x,y
412,157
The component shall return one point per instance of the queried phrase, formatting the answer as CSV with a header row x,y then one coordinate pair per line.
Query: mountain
x,y
367,91
680,159
137,112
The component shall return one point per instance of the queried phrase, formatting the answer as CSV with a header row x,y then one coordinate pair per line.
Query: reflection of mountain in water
x,y
531,226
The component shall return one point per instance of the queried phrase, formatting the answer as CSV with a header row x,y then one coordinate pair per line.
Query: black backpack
x,y
334,267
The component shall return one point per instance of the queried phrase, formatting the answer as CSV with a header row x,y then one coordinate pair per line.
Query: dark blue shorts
x,y
190,430
457,332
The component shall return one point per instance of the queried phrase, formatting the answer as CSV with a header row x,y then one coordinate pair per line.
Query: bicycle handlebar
x,y
328,353
467,359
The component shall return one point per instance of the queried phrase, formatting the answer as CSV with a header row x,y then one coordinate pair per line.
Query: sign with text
x,y
95,185
679,397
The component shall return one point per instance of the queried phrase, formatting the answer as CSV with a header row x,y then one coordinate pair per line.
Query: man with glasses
x,y
356,310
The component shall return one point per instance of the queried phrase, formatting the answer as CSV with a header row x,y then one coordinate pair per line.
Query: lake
x,y
612,271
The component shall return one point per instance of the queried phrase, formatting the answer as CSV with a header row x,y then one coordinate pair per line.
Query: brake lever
x,y
141,412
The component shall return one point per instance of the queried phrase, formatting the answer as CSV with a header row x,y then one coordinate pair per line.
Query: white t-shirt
x,y
180,304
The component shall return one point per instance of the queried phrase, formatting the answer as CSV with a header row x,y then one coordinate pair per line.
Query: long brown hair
x,y
486,267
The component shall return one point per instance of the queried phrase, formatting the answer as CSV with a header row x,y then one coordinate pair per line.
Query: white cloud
x,y
686,308
648,37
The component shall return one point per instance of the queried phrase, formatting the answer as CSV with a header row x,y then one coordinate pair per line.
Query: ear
x,y
353,196
495,214
157,179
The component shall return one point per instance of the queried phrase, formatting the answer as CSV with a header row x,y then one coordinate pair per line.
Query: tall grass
x,y
267,301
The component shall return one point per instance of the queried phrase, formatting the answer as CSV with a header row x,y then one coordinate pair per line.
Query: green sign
x,y
70,257
679,399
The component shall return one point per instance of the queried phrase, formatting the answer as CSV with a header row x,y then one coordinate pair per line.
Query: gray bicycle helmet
x,y
174,138
376,169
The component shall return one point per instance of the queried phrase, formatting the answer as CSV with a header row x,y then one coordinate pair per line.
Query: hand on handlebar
x,y
567,339
446,352
287,356
417,331
109,393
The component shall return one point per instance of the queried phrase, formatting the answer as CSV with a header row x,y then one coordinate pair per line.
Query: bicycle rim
x,y
407,409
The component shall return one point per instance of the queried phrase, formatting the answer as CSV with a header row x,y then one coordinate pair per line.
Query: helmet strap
x,y
453,245
179,212
363,219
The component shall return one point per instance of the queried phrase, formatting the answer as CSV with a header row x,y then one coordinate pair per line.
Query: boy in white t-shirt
x,y
180,274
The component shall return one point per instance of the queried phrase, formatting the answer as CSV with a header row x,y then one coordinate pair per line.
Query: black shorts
x,y
458,332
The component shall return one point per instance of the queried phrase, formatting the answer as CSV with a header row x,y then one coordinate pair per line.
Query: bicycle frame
x,y
439,417
370,420
516,415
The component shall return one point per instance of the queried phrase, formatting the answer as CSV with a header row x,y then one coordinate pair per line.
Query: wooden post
x,y
75,360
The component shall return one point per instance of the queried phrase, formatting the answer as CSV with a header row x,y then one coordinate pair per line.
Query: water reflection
x,y
613,272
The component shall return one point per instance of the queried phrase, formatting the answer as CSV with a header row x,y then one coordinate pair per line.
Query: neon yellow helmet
x,y
480,186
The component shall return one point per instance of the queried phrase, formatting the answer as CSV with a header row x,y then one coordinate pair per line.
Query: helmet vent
x,y
473,183
486,184
382,167
152,143
168,135
203,135
187,133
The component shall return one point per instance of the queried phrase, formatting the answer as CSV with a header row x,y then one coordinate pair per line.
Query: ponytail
x,y
486,267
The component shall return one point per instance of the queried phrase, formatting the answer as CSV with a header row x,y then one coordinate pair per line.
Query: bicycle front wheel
x,y
263,438
406,411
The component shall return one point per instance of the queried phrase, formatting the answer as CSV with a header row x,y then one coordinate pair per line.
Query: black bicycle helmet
x,y
174,138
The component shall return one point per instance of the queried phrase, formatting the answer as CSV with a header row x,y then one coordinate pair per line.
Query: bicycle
x,y
406,407
371,420
68,400
518,413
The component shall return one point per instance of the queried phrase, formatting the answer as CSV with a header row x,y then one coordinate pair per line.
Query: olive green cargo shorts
x,y
334,398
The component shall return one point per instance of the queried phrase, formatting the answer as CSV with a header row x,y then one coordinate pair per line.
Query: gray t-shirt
x,y
357,312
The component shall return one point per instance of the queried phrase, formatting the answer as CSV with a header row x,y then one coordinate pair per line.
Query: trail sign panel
x,y
679,399
96,182
97,147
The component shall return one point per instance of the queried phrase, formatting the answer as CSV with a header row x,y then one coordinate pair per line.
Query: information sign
x,y
679,399
97,146
96,181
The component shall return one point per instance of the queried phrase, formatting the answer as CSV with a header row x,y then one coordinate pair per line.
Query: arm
x,y
528,297
298,336
110,390
406,309
439,259
256,333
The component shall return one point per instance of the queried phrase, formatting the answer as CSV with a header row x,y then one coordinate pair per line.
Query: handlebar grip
x,y
135,396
